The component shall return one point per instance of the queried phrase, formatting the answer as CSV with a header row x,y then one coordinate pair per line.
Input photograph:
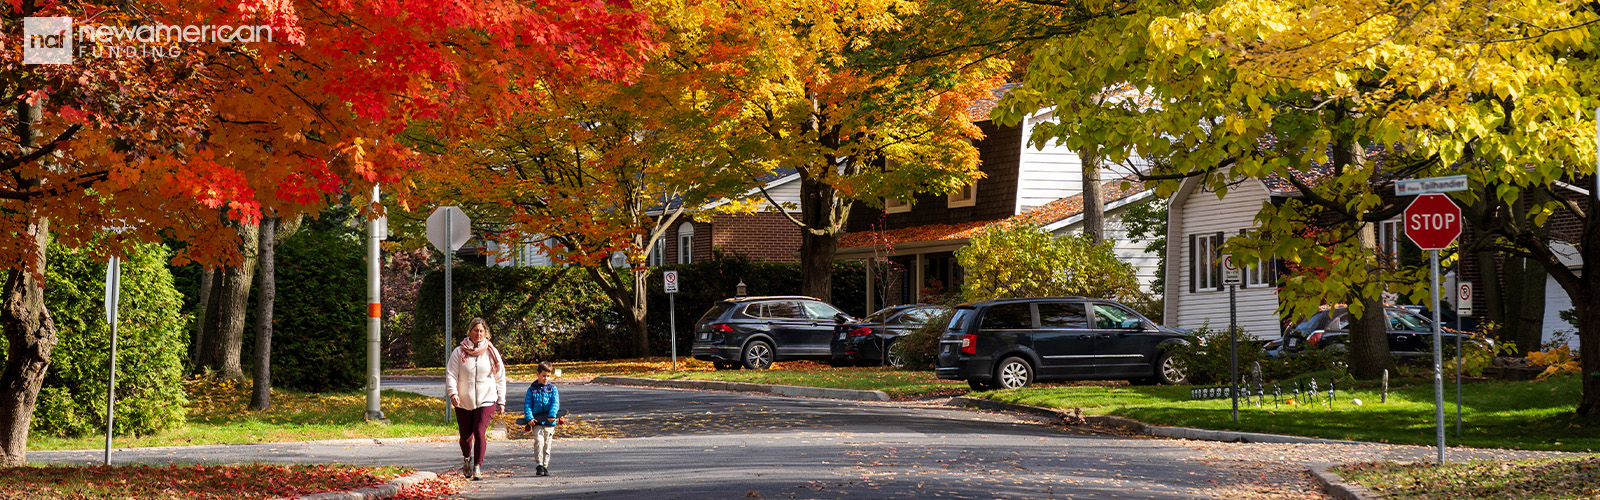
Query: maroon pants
x,y
474,424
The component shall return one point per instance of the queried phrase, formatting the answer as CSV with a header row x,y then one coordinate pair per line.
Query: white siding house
x,y
1198,221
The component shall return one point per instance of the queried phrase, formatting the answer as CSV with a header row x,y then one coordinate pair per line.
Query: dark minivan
x,y
754,332
1010,343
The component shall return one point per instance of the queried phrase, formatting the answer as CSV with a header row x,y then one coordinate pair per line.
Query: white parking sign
x,y
670,279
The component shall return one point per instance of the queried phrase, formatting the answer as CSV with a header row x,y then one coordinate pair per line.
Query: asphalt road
x,y
679,444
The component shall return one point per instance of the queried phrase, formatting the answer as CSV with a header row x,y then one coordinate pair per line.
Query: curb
x,y
717,385
385,490
1336,486
1331,483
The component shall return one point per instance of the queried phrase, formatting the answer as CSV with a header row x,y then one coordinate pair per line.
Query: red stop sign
x,y
1433,221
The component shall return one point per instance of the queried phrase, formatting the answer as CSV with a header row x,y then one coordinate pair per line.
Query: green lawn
x,y
1541,479
896,383
1496,414
219,414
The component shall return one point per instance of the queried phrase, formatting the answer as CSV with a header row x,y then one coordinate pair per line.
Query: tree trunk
x,y
197,334
1588,312
235,299
1369,334
1524,304
1489,272
822,217
1094,202
206,357
261,391
29,330
31,334
630,299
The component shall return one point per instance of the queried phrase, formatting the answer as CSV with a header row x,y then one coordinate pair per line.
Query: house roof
x,y
980,109
1044,215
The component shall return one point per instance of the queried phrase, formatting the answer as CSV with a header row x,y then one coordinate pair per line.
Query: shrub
x,y
319,315
920,347
534,313
151,343
1019,260
1207,356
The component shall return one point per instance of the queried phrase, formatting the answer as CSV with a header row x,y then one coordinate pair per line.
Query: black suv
x,y
753,332
866,341
1009,343
1410,334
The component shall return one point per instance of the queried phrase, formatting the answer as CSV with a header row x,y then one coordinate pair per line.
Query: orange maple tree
x,y
157,145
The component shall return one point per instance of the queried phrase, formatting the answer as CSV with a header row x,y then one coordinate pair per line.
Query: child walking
x,y
541,409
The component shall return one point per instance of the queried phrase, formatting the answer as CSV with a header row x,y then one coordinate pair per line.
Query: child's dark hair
x,y
546,367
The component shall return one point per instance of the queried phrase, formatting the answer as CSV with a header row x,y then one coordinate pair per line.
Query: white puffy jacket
x,y
473,381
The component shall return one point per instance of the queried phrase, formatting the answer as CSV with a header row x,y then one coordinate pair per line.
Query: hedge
x,y
151,343
319,332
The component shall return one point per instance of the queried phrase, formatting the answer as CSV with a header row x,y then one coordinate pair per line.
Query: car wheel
x,y
758,355
1170,371
895,358
1013,373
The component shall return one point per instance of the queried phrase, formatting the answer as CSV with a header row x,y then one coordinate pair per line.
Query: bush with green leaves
x,y
920,347
151,343
1207,356
319,315
1022,260
534,313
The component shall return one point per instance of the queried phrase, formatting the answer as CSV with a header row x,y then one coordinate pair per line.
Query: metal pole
x,y
374,315
1438,355
1233,349
1458,366
114,289
449,312
672,321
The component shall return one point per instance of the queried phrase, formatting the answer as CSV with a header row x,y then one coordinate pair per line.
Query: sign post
x,y
113,302
448,229
1232,277
1433,222
1463,309
669,279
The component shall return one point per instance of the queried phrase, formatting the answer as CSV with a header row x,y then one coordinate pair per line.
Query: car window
x,y
878,317
1110,317
917,316
1340,321
818,310
715,312
1310,324
1008,317
782,310
1063,315
1407,321
958,321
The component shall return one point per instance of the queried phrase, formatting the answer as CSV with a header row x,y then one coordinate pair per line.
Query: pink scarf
x,y
467,349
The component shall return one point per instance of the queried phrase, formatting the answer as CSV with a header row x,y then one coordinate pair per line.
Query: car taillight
x,y
969,344
1315,337
861,332
722,328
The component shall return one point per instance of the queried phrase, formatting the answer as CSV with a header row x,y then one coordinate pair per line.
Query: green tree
x,y
1021,260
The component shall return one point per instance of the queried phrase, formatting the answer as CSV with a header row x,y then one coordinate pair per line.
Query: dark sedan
x,y
867,341
1410,334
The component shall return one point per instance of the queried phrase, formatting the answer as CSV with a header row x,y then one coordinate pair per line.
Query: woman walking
x,y
475,380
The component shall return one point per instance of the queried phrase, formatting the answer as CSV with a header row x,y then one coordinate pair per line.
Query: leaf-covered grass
x,y
1531,415
1539,479
202,481
896,383
582,369
218,413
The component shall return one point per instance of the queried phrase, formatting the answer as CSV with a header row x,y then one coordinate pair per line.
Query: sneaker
x,y
466,466
541,471
477,473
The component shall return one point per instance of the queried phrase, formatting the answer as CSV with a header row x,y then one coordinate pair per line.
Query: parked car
x,y
1410,334
1010,343
870,341
754,332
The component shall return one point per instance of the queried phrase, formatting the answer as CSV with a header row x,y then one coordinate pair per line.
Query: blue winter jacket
x,y
543,401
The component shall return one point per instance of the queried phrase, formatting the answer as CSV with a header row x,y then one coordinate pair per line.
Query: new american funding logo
x,y
56,40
